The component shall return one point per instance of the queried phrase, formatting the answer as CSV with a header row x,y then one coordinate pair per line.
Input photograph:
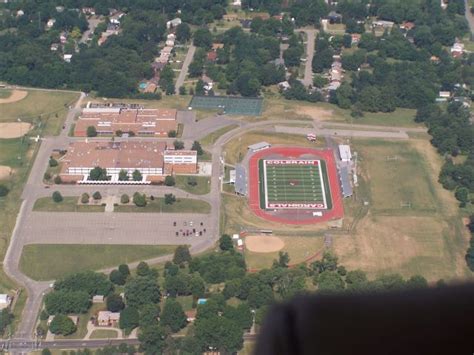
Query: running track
x,y
327,155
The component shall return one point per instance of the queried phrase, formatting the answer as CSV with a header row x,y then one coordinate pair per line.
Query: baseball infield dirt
x,y
5,172
14,129
263,244
16,95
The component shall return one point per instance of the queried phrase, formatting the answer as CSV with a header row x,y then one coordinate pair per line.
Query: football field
x,y
293,184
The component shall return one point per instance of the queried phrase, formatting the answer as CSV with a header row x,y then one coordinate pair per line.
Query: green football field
x,y
293,184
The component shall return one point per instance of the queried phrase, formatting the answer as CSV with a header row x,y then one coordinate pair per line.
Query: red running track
x,y
327,155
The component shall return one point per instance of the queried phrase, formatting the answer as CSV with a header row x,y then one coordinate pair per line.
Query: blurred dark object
x,y
426,321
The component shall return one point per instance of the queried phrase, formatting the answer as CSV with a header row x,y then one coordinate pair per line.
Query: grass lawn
x,y
186,302
103,334
182,205
211,138
47,107
68,204
426,239
203,184
398,175
70,258
236,149
298,248
81,331
4,93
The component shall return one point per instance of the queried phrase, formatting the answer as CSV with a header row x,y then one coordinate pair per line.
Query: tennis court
x,y
229,104
293,184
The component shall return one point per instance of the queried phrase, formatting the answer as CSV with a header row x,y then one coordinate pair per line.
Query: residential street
x,y
185,67
308,72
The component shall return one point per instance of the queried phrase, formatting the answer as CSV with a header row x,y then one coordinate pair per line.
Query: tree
x,y
142,290
143,269
3,191
202,38
192,181
200,87
417,281
182,255
220,333
149,314
53,162
124,270
124,199
139,199
182,90
5,319
98,174
91,131
57,180
45,351
462,195
178,145
117,277
123,175
114,303
170,199
183,32
57,197
137,175
85,198
173,315
66,302
329,281
197,147
225,242
170,180
172,133
62,324
283,260
129,318
96,195
152,339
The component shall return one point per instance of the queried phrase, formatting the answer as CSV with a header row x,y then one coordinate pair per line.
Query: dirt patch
x,y
5,172
314,112
16,95
14,129
263,244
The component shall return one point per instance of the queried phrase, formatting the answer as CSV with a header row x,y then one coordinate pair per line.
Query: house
x,y
284,85
20,13
59,8
191,315
169,42
230,17
54,47
236,3
407,25
88,11
173,23
63,37
211,56
216,46
457,49
50,23
98,299
245,23
67,58
108,319
383,24
334,17
5,301
116,18
171,37
355,38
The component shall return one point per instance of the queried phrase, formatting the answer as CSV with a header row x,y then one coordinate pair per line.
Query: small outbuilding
x,y
345,152
259,146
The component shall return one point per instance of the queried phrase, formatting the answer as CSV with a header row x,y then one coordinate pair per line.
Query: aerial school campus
x,y
164,213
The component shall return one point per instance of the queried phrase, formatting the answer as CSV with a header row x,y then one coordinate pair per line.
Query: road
x,y
308,71
185,67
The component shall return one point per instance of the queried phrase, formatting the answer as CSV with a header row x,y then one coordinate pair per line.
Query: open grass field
x,y
428,238
203,184
298,248
5,93
52,261
69,204
211,138
236,149
104,334
399,176
158,205
48,107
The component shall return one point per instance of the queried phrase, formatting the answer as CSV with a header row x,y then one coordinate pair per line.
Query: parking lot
x,y
116,228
